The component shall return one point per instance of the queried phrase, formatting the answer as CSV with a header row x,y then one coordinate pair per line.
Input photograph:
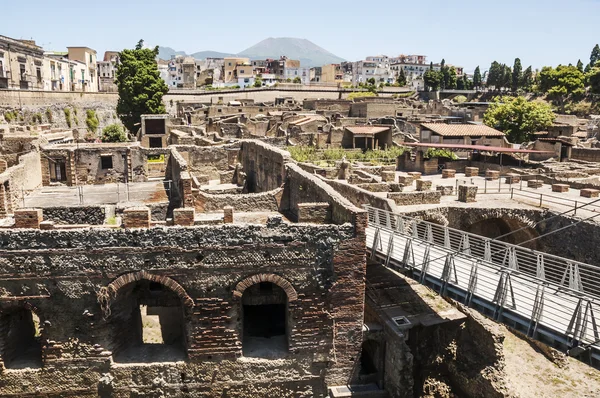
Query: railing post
x,y
485,185
541,195
499,183
575,212
511,192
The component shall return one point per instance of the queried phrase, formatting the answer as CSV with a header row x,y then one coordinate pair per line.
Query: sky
x,y
466,33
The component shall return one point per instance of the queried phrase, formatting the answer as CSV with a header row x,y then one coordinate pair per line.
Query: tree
x,y
450,78
593,79
580,65
517,75
518,118
297,80
114,133
432,79
595,56
506,77
140,86
562,83
258,81
494,77
401,79
477,78
527,79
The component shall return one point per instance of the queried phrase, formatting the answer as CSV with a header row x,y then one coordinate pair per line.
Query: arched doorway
x,y
21,339
264,321
517,231
147,321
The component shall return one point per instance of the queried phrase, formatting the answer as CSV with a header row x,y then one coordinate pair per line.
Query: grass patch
x,y
328,157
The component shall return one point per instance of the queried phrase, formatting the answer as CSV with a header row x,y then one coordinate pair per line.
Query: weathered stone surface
x,y
467,193
448,173
136,217
512,178
28,218
471,171
317,213
534,184
184,216
228,215
589,193
560,188
446,190
423,185
491,175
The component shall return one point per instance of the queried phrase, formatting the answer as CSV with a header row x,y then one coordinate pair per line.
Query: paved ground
x,y
139,192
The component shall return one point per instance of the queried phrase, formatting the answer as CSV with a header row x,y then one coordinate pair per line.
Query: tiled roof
x,y
462,130
366,130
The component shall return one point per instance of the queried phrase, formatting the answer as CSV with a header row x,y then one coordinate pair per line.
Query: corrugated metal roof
x,y
366,130
462,130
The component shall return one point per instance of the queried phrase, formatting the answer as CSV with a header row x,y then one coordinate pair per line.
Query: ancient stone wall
x,y
264,165
92,215
78,293
263,201
360,197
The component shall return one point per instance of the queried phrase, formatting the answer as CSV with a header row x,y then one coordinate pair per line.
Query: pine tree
x,y
140,87
580,65
517,75
595,56
527,78
401,80
495,75
477,78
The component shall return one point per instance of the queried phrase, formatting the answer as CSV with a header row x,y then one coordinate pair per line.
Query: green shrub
x,y
439,153
49,115
360,94
328,157
91,120
114,133
10,116
37,118
459,99
67,112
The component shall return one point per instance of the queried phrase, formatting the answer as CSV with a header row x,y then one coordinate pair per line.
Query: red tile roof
x,y
462,130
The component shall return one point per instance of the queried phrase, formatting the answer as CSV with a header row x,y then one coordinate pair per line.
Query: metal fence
x,y
545,294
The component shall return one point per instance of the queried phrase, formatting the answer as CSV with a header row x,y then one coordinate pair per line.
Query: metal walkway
x,y
550,298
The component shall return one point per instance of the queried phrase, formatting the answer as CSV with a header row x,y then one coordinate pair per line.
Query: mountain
x,y
306,51
211,54
167,52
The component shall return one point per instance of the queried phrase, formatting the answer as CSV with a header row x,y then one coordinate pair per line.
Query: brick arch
x,y
108,293
287,287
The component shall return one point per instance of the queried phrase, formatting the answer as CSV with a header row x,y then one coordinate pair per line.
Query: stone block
x,y
512,178
423,185
467,193
589,193
405,180
228,215
315,213
395,187
184,216
448,173
492,175
414,174
415,198
3,165
388,176
560,188
471,171
446,190
47,225
136,217
28,218
534,184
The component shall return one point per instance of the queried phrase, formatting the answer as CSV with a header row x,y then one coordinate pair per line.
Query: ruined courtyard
x,y
297,248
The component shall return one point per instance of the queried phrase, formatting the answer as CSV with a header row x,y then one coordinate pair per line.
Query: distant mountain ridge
x,y
307,52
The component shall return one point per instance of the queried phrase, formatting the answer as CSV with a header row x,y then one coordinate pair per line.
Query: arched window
x,y
147,324
20,339
265,321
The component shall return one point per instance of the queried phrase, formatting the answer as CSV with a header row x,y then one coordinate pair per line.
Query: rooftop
x,y
366,130
461,130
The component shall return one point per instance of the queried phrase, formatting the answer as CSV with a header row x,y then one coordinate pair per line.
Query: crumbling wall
x,y
360,197
208,161
63,280
251,202
264,165
92,215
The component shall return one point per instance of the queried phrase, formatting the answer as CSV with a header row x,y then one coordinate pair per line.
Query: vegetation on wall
x,y
139,84
361,94
91,120
49,115
114,133
328,157
10,116
439,153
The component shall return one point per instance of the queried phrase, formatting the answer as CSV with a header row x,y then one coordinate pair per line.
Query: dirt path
x,y
531,374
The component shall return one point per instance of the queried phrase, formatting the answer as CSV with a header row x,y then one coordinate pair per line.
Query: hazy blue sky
x,y
468,33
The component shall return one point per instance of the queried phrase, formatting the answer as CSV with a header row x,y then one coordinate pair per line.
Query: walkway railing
x,y
543,293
